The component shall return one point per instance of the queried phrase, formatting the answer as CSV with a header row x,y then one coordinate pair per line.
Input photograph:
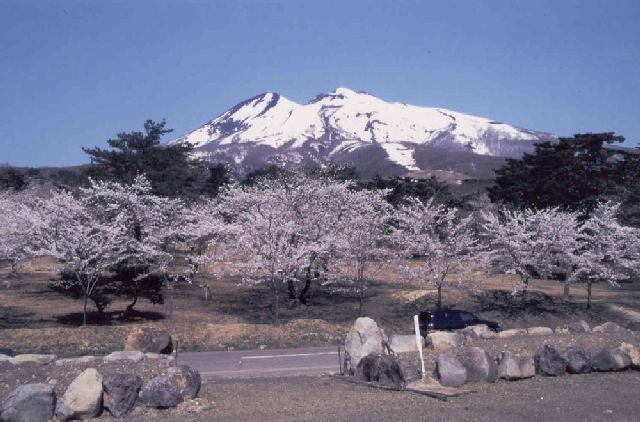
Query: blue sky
x,y
74,73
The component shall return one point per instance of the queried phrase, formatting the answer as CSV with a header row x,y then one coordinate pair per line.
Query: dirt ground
x,y
34,319
590,397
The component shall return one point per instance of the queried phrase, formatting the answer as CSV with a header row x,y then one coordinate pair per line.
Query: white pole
x,y
419,343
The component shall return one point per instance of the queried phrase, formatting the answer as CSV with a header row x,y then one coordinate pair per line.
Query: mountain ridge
x,y
346,126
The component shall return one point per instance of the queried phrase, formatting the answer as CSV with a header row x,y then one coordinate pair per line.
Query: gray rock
x,y
477,331
450,371
402,343
186,380
383,369
135,356
633,351
32,358
364,338
29,403
83,398
611,358
479,365
515,367
442,340
159,392
608,327
514,332
578,360
579,326
75,361
121,393
539,331
549,362
147,340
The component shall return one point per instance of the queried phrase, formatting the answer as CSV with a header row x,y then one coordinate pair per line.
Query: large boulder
x,y
160,392
186,380
147,340
442,340
402,343
633,351
610,358
513,367
549,362
479,365
364,338
539,331
29,403
134,356
608,327
579,326
478,331
383,369
450,371
121,393
578,360
83,398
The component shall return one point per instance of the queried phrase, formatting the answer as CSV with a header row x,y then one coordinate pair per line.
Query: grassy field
x,y
36,319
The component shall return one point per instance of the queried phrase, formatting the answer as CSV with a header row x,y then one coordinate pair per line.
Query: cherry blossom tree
x,y
151,222
530,243
433,242
282,225
608,252
88,246
16,227
363,233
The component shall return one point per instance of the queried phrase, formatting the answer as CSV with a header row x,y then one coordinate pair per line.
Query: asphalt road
x,y
263,363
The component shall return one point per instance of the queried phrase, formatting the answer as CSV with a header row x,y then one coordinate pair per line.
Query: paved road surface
x,y
262,363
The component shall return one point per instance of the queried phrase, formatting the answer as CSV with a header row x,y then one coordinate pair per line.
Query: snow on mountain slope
x,y
335,125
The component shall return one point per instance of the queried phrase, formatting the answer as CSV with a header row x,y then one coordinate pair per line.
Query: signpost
x,y
419,343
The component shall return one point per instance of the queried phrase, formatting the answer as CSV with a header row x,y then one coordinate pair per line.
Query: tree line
x,y
569,211
289,230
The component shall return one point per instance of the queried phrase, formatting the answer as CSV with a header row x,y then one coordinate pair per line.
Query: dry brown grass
x,y
35,319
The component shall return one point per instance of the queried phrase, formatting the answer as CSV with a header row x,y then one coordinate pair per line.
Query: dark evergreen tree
x,y
10,178
402,188
630,189
574,173
218,178
170,168
271,172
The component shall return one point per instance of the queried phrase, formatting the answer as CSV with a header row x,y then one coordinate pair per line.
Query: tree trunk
x,y
361,287
129,310
84,310
14,269
305,289
274,307
566,294
291,287
589,284
525,289
130,306
439,296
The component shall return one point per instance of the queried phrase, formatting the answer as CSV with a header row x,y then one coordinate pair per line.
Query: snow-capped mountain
x,y
354,127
